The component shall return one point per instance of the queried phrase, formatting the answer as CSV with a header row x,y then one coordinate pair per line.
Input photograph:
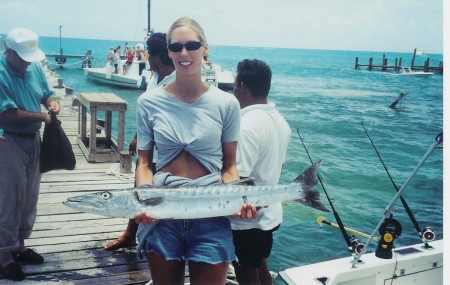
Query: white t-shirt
x,y
153,81
263,140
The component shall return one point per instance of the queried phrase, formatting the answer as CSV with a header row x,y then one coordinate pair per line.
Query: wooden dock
x,y
72,242
385,67
61,58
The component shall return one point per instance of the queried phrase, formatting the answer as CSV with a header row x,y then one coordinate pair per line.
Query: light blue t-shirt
x,y
25,92
199,128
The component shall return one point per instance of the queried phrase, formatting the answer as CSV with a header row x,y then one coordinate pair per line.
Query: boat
x,y
413,264
137,75
420,52
224,78
420,263
408,71
136,78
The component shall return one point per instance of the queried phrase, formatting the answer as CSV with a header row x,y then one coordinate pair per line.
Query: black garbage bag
x,y
56,150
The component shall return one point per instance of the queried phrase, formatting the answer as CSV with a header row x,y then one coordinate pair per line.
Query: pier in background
x,y
385,67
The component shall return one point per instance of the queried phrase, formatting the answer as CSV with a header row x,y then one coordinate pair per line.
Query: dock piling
x,y
125,162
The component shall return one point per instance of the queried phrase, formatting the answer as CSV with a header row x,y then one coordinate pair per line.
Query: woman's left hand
x,y
248,211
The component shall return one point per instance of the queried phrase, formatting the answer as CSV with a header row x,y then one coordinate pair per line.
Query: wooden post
x,y
426,65
383,67
125,162
60,83
356,63
69,91
370,67
412,60
400,96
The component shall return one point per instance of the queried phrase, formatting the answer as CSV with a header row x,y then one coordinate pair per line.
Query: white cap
x,y
25,43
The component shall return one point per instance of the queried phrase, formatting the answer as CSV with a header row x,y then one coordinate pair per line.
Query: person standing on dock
x,y
195,127
163,73
23,88
262,145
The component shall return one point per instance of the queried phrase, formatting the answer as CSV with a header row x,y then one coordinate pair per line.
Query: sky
x,y
357,25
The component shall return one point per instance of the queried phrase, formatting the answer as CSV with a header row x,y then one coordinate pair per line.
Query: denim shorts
x,y
207,240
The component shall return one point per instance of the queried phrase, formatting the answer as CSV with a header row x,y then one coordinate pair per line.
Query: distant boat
x,y
224,78
420,52
409,72
138,76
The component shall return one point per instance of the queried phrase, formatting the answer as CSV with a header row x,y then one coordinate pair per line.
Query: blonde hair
x,y
188,22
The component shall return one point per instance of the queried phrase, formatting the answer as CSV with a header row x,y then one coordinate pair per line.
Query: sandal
x,y
12,271
29,256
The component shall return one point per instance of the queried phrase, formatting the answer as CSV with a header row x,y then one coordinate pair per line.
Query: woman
x,y
195,127
130,59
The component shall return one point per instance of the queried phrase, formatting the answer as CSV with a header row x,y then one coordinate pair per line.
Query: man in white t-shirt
x,y
163,72
263,140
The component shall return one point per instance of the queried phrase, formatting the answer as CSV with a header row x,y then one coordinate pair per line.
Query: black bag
x,y
56,150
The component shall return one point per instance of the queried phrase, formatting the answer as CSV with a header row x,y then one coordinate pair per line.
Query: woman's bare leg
x,y
165,272
208,274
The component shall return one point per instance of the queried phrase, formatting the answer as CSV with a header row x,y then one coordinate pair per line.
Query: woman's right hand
x,y
143,218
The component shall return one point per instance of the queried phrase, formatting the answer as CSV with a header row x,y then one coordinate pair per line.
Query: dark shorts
x,y
252,246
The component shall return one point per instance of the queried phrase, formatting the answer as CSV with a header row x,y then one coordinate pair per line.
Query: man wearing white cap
x,y
23,88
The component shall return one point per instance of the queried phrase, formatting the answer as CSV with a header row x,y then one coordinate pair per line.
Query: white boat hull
x,y
409,265
131,80
211,74
406,71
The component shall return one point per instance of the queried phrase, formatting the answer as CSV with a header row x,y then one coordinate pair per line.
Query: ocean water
x,y
321,94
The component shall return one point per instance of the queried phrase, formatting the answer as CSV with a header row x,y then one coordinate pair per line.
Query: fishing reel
x,y
427,234
357,245
389,231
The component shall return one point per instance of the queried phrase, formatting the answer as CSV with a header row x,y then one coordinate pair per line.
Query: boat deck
x,y
72,242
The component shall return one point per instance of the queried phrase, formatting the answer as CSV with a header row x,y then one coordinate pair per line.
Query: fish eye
x,y
105,195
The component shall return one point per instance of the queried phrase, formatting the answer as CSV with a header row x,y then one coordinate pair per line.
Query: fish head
x,y
111,203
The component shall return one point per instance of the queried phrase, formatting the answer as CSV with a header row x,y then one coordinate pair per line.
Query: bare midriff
x,y
185,165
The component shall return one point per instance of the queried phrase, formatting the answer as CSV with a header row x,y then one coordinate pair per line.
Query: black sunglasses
x,y
190,46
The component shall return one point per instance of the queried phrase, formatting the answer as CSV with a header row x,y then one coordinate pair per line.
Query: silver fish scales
x,y
198,202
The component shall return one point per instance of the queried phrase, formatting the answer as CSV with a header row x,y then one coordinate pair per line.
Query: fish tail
x,y
310,196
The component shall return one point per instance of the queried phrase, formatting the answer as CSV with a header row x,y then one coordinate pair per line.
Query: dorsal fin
x,y
247,181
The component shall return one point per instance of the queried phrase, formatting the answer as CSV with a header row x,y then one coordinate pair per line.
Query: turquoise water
x,y
320,93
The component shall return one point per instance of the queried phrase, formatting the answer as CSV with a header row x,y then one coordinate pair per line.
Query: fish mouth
x,y
79,201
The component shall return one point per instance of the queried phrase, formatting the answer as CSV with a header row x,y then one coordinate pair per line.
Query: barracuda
x,y
198,202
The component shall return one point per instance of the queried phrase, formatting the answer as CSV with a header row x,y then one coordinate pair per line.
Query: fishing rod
x,y
354,245
426,234
388,227
321,220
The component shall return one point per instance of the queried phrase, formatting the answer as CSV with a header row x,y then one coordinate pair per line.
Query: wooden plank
x,y
46,229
